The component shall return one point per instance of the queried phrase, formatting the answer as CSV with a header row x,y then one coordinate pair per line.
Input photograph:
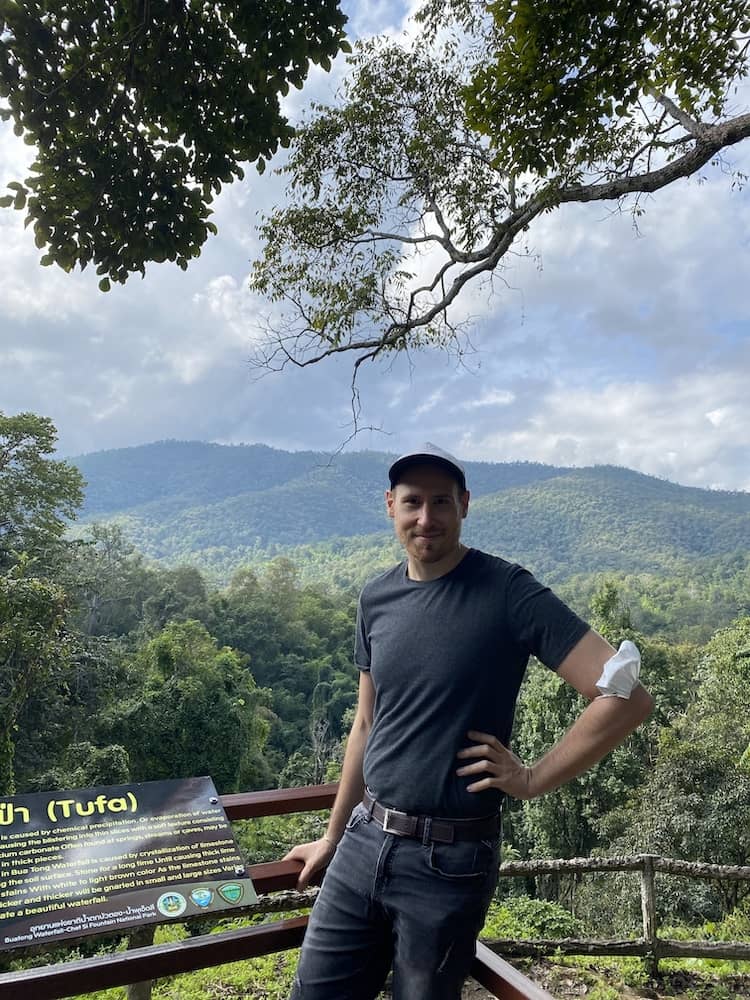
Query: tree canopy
x,y
441,152
565,85
694,802
141,111
33,643
37,493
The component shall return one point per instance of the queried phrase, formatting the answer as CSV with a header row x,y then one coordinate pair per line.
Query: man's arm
x,y
603,725
317,855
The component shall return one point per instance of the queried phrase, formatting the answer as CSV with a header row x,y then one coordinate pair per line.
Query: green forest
x,y
104,652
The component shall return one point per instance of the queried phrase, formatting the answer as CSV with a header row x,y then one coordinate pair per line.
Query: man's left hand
x,y
500,767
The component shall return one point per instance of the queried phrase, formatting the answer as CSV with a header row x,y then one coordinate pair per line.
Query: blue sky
x,y
610,345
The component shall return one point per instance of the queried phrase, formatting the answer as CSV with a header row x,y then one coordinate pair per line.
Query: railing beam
x,y
50,982
501,979
279,801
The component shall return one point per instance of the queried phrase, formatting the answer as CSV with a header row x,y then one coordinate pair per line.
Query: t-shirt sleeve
x,y
361,641
540,622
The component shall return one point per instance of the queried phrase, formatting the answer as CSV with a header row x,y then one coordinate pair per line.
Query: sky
x,y
609,344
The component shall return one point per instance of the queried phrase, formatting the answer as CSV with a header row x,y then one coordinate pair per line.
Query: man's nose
x,y
425,514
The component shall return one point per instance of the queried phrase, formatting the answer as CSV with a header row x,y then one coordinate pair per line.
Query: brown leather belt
x,y
445,831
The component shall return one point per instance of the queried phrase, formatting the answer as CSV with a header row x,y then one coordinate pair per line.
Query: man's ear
x,y
389,500
466,496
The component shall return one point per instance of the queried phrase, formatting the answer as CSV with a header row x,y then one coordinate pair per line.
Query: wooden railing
x,y
147,962
649,946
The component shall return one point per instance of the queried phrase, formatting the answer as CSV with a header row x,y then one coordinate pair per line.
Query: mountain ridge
x,y
221,505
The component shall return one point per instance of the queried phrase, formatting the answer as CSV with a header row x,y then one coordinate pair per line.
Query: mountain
x,y
221,505
609,518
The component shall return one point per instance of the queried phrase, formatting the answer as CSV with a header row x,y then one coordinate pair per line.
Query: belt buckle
x,y
387,819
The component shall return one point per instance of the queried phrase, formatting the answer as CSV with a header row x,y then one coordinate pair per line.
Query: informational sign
x,y
107,859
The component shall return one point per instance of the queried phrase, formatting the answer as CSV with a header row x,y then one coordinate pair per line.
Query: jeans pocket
x,y
358,815
463,859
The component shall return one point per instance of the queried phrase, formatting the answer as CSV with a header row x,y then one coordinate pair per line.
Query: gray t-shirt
x,y
446,656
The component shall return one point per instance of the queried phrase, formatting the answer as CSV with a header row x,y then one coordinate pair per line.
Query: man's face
x,y
427,506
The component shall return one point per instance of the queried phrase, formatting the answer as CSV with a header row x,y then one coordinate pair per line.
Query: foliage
x,y
300,643
668,669
116,707
566,823
37,493
721,713
695,800
682,604
192,709
84,765
140,112
180,594
113,707
270,837
443,150
565,84
108,581
33,644
267,978
523,917
734,927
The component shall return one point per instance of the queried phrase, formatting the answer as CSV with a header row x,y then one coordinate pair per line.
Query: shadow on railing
x,y
149,962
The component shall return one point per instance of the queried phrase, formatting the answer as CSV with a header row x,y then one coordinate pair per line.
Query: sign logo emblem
x,y
231,892
202,897
171,904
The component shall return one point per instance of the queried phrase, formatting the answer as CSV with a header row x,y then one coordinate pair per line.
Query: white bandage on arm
x,y
620,672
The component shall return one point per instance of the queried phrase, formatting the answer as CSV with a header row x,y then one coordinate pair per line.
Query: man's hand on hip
x,y
497,767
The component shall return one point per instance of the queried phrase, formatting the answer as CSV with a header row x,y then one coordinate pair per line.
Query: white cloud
x,y
376,17
661,429
490,397
231,307
717,417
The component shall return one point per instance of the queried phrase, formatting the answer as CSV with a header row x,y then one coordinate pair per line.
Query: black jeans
x,y
389,900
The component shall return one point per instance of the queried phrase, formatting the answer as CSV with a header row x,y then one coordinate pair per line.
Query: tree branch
x,y
422,307
713,139
695,128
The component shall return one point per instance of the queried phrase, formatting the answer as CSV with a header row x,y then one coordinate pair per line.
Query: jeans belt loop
x,y
370,799
427,830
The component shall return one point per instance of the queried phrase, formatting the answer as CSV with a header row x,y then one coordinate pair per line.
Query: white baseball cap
x,y
428,454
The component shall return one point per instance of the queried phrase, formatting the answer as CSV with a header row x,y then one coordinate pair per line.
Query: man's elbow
x,y
642,704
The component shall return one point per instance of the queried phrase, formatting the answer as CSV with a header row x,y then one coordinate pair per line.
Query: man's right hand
x,y
314,856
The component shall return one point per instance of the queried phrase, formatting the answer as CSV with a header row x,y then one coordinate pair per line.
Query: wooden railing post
x,y
648,908
141,937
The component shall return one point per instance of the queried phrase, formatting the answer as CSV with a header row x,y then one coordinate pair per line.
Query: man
x,y
412,844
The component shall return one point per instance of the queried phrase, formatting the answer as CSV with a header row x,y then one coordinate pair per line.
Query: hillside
x,y
605,518
219,506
